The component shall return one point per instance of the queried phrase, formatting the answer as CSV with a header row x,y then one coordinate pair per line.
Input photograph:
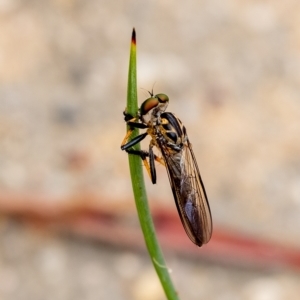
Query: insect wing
x,y
189,192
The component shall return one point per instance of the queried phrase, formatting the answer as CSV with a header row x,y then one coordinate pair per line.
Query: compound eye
x,y
148,104
162,98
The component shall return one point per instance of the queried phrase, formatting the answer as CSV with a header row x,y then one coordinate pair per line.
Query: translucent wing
x,y
189,192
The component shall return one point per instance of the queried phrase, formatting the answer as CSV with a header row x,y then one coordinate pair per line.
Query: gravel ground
x,y
231,70
38,265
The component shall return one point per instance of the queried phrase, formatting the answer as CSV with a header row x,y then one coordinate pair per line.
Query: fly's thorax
x,y
154,134
152,108
173,130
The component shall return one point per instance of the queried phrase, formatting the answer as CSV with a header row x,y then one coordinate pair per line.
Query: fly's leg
x,y
127,116
131,122
127,145
158,159
152,164
134,141
128,134
152,157
143,155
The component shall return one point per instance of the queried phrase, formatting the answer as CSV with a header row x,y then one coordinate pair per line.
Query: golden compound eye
x,y
148,104
162,98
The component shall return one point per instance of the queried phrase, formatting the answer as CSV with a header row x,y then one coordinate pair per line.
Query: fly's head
x,y
152,108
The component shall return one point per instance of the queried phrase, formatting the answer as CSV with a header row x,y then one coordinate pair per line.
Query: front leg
x,y
127,116
132,122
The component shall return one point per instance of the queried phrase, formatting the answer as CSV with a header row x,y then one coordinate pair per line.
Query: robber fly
x,y
169,135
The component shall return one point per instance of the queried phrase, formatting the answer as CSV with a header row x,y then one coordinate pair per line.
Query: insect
x,y
169,135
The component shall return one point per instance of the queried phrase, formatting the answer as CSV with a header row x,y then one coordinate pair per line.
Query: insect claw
x,y
127,116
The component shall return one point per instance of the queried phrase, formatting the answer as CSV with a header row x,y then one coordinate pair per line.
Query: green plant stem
x,y
138,185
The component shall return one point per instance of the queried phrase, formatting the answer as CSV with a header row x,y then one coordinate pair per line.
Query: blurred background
x,y
68,226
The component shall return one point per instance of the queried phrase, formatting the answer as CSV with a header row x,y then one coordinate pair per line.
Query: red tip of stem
x,y
133,37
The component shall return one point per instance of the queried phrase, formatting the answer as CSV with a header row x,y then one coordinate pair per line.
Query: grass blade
x,y
138,185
